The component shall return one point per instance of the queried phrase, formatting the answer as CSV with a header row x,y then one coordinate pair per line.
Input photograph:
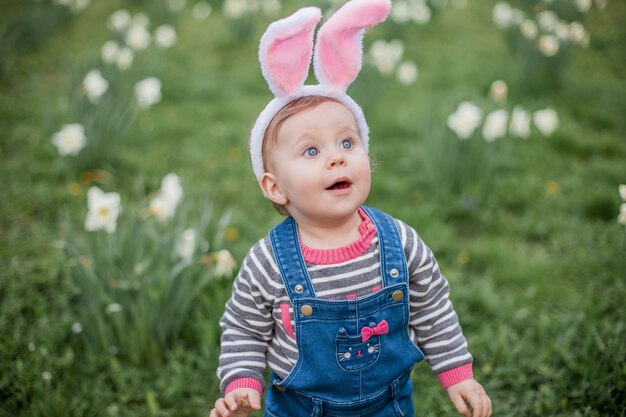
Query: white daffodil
x,y
224,263
125,58
113,54
160,208
499,91
407,72
148,92
495,125
79,5
561,30
529,29
546,120
171,188
400,12
502,14
622,214
517,17
119,21
113,308
138,37
548,45
103,210
186,245
378,54
74,5
165,36
386,55
578,34
622,191
141,19
77,328
420,12
520,123
547,20
201,11
271,7
583,5
163,205
465,119
95,85
176,5
70,139
234,9
109,52
395,49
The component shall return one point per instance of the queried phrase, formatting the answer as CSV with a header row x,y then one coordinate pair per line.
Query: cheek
x,y
296,177
365,170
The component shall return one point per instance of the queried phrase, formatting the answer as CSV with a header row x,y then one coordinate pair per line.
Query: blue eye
x,y
346,143
311,151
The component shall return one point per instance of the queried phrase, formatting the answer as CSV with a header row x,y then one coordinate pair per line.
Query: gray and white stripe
x,y
254,335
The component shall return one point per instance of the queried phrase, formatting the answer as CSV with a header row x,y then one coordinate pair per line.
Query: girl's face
x,y
318,167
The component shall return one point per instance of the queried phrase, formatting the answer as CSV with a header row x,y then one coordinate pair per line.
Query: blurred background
x,y
128,200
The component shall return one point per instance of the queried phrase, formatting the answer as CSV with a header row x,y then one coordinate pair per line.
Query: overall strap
x,y
288,256
393,268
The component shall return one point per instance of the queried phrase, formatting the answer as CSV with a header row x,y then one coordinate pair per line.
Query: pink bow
x,y
380,328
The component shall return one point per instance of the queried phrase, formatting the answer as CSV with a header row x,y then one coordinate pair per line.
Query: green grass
x,y
537,267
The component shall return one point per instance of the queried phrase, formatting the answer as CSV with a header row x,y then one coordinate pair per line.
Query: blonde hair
x,y
271,133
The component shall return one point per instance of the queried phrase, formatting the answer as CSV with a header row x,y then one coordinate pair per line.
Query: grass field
x,y
525,230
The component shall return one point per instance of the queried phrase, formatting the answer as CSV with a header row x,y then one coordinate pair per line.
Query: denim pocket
x,y
398,409
353,354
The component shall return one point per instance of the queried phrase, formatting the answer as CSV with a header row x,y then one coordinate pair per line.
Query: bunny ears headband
x,y
285,54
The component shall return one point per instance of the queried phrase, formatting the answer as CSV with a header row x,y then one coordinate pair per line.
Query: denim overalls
x,y
355,356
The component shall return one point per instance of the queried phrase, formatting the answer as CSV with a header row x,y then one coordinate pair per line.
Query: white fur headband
x,y
285,54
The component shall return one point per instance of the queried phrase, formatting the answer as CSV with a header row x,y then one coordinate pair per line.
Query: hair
x,y
271,133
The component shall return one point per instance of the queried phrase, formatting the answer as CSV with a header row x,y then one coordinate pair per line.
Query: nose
x,y
336,159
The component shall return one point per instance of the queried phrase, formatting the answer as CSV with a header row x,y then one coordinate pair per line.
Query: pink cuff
x,y
456,375
244,383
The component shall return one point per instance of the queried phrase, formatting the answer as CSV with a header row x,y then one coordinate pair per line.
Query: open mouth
x,y
340,185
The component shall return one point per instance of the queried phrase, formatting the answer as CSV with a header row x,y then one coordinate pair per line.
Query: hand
x,y
237,403
472,392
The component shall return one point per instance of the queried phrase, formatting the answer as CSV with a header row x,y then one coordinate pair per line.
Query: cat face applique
x,y
355,352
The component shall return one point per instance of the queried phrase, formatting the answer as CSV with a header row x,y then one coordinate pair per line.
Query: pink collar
x,y
344,253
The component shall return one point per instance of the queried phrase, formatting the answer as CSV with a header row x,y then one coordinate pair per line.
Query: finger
x,y
220,407
254,397
213,413
231,402
488,409
460,405
478,407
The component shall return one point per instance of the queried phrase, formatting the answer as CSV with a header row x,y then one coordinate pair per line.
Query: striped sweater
x,y
257,325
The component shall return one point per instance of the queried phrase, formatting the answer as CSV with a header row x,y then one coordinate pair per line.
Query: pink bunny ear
x,y
286,48
338,52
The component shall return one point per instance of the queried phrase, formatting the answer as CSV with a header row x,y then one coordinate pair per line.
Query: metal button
x,y
306,310
281,388
298,288
394,273
397,295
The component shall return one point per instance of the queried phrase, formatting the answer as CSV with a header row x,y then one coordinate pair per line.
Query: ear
x,y
338,52
285,50
271,189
